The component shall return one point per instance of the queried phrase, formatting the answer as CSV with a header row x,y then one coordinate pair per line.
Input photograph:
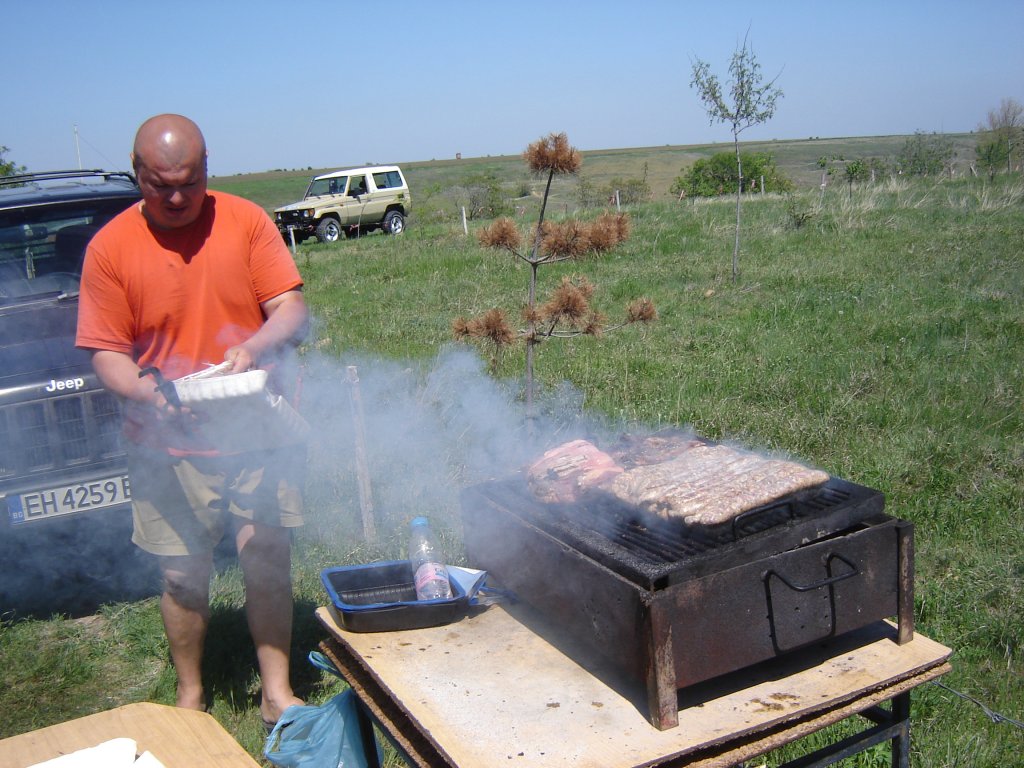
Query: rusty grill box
x,y
670,606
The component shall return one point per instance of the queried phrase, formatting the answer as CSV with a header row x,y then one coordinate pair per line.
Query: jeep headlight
x,y
307,213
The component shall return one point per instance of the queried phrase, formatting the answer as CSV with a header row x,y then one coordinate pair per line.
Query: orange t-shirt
x,y
178,299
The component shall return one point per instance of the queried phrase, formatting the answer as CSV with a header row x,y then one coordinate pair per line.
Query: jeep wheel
x,y
394,223
329,231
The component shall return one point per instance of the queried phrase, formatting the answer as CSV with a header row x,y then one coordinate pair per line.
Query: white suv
x,y
348,202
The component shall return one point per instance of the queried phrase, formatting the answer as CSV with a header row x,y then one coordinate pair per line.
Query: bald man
x,y
187,278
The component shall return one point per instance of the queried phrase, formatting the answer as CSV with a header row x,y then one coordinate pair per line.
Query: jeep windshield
x,y
332,186
42,248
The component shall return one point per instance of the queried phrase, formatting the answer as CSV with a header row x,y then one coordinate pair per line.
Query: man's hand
x,y
286,324
241,359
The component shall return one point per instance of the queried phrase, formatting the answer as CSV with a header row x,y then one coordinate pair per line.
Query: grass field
x,y
882,340
428,180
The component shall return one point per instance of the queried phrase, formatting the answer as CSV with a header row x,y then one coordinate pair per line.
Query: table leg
x,y
901,740
369,739
892,725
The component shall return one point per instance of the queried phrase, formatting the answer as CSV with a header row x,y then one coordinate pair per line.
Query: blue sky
x,y
331,84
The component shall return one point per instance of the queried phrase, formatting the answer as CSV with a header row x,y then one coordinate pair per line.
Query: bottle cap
x,y
419,521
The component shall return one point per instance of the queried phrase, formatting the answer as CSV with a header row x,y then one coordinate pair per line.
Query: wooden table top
x,y
488,689
178,738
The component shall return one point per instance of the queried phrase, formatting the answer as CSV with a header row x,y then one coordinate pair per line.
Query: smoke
x,y
388,438
418,432
428,430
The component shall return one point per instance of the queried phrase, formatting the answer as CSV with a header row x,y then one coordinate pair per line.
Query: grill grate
x,y
388,593
59,432
652,551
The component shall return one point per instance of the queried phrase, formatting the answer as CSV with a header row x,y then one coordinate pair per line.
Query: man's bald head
x,y
169,158
168,141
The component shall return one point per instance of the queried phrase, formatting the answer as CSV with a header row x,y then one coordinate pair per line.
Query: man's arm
x,y
287,323
120,375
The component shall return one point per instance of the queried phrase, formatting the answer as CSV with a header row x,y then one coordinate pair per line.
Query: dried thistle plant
x,y
553,154
564,240
492,326
503,233
567,312
608,231
641,310
569,302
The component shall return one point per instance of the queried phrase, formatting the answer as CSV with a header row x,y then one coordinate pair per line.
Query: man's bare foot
x,y
194,699
271,709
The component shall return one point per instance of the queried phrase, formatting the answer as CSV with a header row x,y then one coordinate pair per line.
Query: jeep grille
x,y
60,432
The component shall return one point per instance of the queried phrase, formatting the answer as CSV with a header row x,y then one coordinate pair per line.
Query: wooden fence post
x,y
362,467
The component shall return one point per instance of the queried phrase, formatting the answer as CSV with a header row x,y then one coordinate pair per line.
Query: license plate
x,y
68,499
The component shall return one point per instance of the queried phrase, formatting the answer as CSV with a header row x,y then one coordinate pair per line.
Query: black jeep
x,y
63,486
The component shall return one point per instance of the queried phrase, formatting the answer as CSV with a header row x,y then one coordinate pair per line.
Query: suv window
x,y
333,186
357,186
41,248
387,180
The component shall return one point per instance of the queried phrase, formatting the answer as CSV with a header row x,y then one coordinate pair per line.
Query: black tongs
x,y
164,386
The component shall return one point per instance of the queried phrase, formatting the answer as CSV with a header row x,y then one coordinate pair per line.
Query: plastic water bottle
x,y
431,576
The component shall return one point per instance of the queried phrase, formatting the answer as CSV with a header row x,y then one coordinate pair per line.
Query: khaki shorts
x,y
182,505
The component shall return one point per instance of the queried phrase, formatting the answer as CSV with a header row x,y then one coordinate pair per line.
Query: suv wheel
x,y
329,231
394,223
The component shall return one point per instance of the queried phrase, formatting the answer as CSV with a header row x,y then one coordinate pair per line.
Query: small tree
x,y
992,154
925,155
856,170
567,312
482,196
999,136
8,167
751,102
827,163
626,191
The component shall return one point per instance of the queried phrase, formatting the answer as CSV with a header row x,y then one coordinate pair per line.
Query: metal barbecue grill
x,y
655,552
672,605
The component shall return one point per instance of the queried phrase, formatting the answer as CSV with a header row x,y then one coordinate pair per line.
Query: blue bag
x,y
320,736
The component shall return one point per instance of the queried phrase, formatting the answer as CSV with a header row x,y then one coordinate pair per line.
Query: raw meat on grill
x,y
638,450
711,484
563,473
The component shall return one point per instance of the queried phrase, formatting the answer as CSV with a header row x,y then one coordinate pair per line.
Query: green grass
x,y
882,340
430,180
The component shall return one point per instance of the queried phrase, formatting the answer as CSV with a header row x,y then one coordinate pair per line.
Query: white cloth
x,y
116,753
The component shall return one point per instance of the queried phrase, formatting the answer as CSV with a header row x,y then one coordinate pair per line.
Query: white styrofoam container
x,y
237,412
199,388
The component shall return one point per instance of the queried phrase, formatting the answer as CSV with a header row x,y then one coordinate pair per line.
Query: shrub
x,y
716,175
925,154
483,197
630,191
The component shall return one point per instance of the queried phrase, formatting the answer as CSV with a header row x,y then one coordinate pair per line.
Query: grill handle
x,y
741,519
854,571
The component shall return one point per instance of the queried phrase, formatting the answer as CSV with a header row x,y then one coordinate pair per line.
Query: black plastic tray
x,y
381,597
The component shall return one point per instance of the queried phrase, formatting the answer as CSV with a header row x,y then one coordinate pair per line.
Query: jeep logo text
x,y
60,386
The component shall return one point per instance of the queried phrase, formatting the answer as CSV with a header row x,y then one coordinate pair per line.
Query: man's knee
x,y
264,553
187,581
265,543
